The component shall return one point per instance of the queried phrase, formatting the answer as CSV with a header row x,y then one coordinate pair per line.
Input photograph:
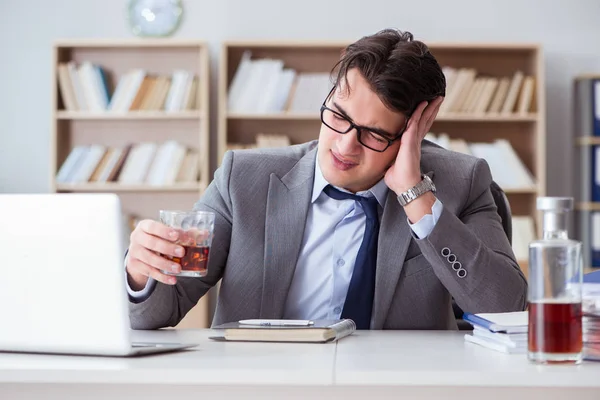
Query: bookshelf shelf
x,y
516,117
131,117
118,187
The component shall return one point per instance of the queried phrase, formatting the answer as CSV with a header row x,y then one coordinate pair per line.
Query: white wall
x,y
569,32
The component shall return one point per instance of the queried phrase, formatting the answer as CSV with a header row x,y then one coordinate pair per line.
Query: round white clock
x,y
154,17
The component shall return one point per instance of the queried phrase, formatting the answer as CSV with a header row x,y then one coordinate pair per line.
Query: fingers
x,y
157,229
138,266
154,260
433,109
154,243
416,115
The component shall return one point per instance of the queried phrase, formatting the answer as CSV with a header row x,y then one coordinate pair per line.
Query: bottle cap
x,y
559,204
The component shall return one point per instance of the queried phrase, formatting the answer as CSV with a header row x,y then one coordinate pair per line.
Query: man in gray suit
x,y
370,222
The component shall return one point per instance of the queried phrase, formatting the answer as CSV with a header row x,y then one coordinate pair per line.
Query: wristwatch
x,y
426,185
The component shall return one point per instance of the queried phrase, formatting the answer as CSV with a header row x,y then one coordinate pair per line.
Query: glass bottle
x,y
554,293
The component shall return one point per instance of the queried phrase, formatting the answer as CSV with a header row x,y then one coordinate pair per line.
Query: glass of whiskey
x,y
196,229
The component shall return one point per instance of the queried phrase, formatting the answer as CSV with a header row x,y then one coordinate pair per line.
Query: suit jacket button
x,y
446,252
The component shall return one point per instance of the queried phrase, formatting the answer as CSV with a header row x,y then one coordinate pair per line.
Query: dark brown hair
x,y
399,69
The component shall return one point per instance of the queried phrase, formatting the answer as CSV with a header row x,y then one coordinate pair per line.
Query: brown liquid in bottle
x,y
555,328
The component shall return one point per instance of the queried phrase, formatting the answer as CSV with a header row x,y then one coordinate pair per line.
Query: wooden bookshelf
x,y
87,126
524,130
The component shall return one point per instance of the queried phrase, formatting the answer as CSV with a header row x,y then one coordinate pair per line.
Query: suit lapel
x,y
288,201
394,238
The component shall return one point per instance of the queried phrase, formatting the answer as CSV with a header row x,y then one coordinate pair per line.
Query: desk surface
x,y
365,358
382,362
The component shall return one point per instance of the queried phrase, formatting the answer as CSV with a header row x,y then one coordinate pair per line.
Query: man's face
x,y
345,162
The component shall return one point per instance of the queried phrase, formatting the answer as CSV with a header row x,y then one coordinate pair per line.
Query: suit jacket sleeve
x,y
492,280
167,305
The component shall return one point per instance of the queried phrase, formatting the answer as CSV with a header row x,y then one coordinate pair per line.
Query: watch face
x,y
154,17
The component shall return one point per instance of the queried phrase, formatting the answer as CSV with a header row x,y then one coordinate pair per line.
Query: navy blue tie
x,y
359,300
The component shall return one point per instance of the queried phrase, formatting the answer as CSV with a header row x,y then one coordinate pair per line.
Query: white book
x,y
130,91
77,86
66,88
119,93
284,86
259,76
507,322
269,91
137,163
102,90
509,339
179,82
87,76
311,90
168,156
492,345
239,82
69,166
89,164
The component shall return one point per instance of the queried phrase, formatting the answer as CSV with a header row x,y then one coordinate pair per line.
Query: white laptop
x,y
62,279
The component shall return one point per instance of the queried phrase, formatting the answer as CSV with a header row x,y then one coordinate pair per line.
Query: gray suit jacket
x,y
261,199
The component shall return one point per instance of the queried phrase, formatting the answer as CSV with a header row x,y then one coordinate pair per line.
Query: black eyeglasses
x,y
376,141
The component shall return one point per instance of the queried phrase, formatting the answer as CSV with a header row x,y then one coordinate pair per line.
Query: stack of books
x,y
591,315
504,332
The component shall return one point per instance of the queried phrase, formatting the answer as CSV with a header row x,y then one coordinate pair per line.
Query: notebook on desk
x,y
318,331
507,322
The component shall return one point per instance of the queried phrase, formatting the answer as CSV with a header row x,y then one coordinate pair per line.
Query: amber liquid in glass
x,y
555,329
194,261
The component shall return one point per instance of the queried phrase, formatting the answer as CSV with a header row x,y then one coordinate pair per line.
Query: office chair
x,y
504,211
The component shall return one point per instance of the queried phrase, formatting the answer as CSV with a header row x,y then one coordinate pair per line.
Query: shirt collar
x,y
379,190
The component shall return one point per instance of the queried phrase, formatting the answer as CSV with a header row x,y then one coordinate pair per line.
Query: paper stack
x,y
504,332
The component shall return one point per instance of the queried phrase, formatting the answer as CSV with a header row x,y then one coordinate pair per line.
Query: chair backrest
x,y
503,209
505,213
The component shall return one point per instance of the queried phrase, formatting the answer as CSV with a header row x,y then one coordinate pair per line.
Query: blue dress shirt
x,y
332,238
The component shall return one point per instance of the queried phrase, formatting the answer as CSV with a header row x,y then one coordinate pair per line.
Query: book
x,y
320,331
497,345
508,322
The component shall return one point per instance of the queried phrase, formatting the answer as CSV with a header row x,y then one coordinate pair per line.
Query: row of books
x,y
156,164
473,93
508,170
85,87
266,85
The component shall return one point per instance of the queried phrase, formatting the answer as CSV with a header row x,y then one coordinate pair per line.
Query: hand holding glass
x,y
195,232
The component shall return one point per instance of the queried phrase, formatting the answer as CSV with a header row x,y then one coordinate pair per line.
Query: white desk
x,y
368,364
